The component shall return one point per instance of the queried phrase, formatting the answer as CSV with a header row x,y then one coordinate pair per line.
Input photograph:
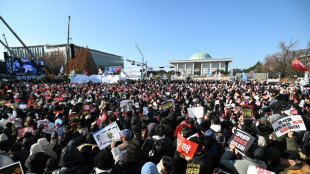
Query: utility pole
x,y
142,62
33,57
67,48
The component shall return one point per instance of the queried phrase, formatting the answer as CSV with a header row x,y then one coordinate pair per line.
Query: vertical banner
x,y
242,139
195,112
293,123
185,147
104,136
247,111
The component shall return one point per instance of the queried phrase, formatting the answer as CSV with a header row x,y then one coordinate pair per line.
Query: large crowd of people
x,y
57,143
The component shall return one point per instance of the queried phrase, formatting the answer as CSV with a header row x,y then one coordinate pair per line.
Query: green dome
x,y
200,56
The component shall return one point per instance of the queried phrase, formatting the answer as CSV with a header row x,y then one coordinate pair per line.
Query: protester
x,y
50,127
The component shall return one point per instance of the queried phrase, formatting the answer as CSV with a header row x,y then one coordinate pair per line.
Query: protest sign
x,y
72,117
22,106
293,123
193,167
50,128
247,111
257,170
179,127
195,112
126,104
242,139
145,110
167,105
58,99
15,168
22,131
185,147
104,136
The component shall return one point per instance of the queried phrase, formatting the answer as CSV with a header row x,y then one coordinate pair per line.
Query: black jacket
x,y
72,162
36,163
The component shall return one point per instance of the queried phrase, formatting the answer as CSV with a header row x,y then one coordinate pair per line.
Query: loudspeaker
x,y
5,54
72,48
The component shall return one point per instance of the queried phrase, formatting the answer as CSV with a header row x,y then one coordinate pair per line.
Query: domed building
x,y
201,63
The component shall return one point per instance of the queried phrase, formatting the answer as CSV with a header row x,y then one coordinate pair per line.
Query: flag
x,y
219,75
244,77
117,69
62,69
298,65
209,73
100,71
105,72
215,76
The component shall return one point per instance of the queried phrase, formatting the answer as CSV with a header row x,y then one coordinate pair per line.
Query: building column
x,y
210,68
220,65
185,68
193,72
228,67
176,68
201,69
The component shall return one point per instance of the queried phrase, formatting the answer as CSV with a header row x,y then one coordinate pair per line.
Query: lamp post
x,y
142,76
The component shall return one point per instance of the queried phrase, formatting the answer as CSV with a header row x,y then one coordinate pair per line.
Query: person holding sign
x,y
252,157
290,160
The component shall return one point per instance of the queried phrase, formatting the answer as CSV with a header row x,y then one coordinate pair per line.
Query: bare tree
x,y
54,61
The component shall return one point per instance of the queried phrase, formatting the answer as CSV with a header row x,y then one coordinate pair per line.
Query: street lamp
x,y
142,75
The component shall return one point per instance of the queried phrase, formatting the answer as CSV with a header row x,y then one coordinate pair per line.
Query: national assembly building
x,y
200,64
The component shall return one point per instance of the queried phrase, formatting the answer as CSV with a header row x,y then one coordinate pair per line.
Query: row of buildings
x,y
199,63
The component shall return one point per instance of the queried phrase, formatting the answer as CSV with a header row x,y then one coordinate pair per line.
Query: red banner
x,y
185,147
298,65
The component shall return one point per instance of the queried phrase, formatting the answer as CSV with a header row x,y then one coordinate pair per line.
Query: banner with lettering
x,y
257,170
167,105
242,139
247,111
293,123
104,136
185,147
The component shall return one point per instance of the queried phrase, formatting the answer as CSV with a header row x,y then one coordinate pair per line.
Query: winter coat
x,y
36,163
21,156
204,161
241,165
72,162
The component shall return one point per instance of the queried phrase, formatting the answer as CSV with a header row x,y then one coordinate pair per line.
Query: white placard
x,y
126,104
104,136
293,123
145,110
257,170
195,112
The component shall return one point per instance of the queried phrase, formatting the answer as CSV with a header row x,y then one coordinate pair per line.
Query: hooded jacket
x,y
72,162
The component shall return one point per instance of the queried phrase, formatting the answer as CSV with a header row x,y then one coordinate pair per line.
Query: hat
x,y
256,151
126,133
290,154
274,117
35,148
43,142
149,168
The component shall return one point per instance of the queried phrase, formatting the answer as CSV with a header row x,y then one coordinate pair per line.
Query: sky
x,y
164,30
